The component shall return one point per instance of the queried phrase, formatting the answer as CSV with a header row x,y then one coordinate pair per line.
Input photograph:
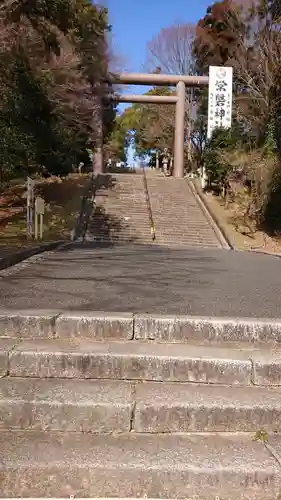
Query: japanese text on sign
x,y
220,98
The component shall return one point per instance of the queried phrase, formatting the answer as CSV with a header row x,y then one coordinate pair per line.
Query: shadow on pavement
x,y
150,279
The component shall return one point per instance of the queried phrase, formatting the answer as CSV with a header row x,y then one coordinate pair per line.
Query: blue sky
x,y
135,23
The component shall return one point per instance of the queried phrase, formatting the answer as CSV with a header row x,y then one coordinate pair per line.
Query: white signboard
x,y
220,98
39,205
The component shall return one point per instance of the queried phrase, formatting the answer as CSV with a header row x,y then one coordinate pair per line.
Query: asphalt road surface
x,y
147,279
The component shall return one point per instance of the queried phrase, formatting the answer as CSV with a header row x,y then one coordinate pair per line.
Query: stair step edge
x,y
168,466
78,358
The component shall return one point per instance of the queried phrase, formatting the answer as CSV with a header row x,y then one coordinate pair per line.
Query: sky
x,y
135,23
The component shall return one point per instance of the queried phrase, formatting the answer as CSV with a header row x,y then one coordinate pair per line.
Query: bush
x,y
214,161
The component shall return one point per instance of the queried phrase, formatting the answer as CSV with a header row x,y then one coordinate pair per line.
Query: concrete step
x,y
116,204
135,228
143,221
15,325
104,406
130,221
188,239
99,230
98,406
147,240
78,358
180,407
38,464
79,326
130,238
125,211
170,243
6,345
121,200
190,229
123,224
178,219
142,230
144,238
184,234
206,237
136,207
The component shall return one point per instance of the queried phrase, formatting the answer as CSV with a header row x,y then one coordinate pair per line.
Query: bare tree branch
x,y
171,50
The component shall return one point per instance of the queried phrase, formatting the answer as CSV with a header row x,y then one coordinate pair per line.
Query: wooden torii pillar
x,y
181,82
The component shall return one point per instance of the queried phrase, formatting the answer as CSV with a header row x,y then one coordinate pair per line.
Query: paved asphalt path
x,y
147,279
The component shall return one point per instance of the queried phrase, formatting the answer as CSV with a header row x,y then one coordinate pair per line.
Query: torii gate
x,y
181,82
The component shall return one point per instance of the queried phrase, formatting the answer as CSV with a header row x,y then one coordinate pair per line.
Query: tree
x,y
275,10
53,56
171,50
149,127
199,129
116,148
154,126
247,37
218,35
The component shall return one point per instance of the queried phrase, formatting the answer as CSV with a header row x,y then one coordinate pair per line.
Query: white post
x,y
179,131
29,206
39,212
171,165
36,226
41,226
157,160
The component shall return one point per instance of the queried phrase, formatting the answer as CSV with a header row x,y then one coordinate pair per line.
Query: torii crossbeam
x,y
181,82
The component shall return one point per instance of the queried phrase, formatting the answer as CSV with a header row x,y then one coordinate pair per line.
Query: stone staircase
x,y
129,406
121,213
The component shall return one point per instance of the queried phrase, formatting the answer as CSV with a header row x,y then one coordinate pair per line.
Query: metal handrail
x,y
148,204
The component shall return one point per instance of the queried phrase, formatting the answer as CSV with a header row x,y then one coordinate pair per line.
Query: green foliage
x,y
261,435
217,167
270,144
148,127
118,141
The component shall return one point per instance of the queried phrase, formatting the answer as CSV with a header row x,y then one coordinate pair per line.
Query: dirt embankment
x,y
62,204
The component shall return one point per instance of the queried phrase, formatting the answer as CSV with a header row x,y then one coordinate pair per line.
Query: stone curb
x,y
212,219
264,252
17,257
100,325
